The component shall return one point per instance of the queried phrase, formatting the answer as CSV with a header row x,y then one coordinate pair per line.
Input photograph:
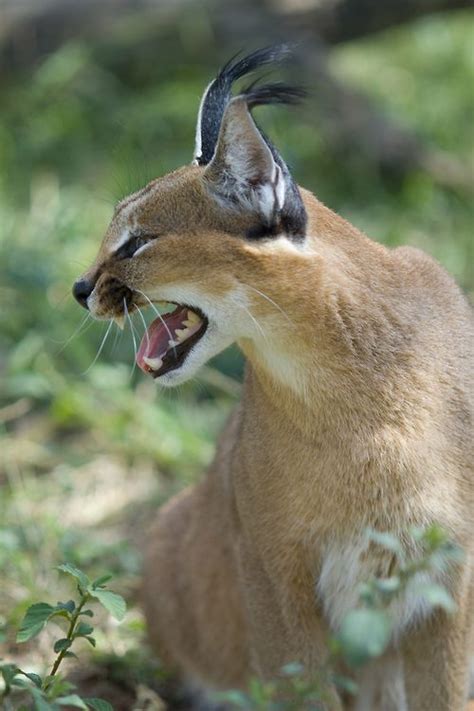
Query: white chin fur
x,y
226,321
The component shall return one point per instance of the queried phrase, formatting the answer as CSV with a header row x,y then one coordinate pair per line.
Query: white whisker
x,y
144,325
255,322
132,330
271,302
160,317
100,348
118,334
79,329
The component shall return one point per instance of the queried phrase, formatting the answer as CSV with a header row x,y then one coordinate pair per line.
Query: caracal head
x,y
219,240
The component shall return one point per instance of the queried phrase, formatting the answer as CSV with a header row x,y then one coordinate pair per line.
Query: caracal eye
x,y
139,242
131,247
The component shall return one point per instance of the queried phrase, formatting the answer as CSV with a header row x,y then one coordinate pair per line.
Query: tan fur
x,y
357,411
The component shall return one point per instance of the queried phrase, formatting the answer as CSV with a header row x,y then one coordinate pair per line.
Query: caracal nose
x,y
81,291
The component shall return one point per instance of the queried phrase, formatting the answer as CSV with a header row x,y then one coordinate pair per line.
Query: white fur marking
x,y
123,238
142,249
265,199
344,568
198,141
279,183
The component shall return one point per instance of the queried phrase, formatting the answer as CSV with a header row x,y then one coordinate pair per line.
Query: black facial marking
x,y
262,231
113,293
132,245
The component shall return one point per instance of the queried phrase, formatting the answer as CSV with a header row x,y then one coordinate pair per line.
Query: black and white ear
x,y
247,173
219,92
243,169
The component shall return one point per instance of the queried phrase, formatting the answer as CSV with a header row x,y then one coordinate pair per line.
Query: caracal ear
x,y
219,92
243,168
247,174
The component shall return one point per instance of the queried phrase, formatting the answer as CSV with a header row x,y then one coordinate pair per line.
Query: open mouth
x,y
169,339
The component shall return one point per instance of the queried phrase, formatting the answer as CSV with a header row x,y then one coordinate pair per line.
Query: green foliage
x,y
112,602
51,691
292,692
366,631
364,635
420,76
35,619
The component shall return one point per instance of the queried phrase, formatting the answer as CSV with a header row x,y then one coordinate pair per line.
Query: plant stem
x,y
70,636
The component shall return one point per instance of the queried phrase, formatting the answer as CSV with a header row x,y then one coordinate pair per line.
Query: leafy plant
x,y
365,631
51,691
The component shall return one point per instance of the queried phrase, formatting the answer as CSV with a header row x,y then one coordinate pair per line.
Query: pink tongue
x,y
155,341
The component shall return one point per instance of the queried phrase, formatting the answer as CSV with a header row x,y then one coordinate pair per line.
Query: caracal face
x,y
215,241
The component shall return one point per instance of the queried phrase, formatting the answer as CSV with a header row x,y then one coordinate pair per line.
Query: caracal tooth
x,y
182,333
154,363
193,317
192,324
173,344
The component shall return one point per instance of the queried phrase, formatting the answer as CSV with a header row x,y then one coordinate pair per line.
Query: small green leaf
x,y
57,685
72,700
388,586
364,634
98,582
292,669
22,683
61,612
386,540
87,613
443,558
83,629
345,684
70,606
367,593
91,640
34,620
435,536
257,690
62,644
418,533
98,704
35,678
436,595
9,671
71,655
41,704
81,577
113,603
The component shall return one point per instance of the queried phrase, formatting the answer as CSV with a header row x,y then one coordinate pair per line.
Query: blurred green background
x,y
89,447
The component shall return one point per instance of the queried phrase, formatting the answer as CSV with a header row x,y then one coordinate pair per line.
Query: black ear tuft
x,y
218,94
242,164
276,93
